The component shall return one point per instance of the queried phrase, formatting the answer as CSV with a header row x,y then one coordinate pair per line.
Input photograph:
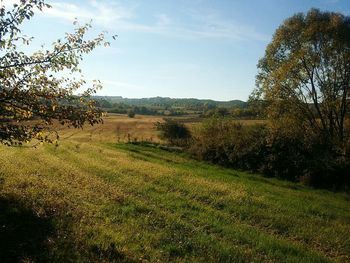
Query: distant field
x,y
119,127
94,200
116,128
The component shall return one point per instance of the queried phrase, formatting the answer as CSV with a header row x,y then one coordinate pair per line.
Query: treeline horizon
x,y
166,106
163,100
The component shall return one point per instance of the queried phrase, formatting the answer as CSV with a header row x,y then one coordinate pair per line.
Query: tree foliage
x,y
305,75
33,93
131,113
174,132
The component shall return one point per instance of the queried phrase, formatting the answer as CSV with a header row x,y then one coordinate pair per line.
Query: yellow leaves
x,y
18,112
8,108
29,114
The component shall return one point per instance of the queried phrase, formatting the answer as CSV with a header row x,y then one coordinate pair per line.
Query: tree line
x,y
178,107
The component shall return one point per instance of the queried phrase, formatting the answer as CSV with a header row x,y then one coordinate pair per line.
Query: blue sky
x,y
175,48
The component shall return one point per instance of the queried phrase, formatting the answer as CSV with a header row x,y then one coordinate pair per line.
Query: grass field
x,y
95,200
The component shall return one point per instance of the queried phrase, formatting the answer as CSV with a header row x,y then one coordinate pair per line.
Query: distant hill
x,y
166,106
173,102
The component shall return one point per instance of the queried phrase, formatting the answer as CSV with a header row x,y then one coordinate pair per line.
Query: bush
x,y
174,132
228,143
292,154
131,113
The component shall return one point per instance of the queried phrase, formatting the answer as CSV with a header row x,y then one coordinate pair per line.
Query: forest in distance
x,y
175,107
92,178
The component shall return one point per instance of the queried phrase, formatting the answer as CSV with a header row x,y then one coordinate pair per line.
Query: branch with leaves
x,y
33,93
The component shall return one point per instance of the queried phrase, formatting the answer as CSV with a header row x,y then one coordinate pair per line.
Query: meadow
x,y
97,198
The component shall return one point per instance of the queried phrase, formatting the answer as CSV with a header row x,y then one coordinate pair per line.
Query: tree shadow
x,y
23,234
27,237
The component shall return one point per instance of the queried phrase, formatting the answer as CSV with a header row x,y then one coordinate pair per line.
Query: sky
x,y
205,49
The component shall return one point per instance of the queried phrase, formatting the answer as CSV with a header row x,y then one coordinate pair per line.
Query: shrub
x,y
131,113
174,132
229,143
293,154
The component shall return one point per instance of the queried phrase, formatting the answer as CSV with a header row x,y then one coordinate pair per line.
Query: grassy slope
x,y
116,202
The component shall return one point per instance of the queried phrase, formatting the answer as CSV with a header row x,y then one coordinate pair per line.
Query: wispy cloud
x,y
163,20
102,13
212,24
113,15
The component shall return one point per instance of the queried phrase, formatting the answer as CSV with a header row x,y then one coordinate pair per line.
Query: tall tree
x,y
305,74
33,93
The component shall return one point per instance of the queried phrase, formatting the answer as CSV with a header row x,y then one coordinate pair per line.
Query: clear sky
x,y
175,48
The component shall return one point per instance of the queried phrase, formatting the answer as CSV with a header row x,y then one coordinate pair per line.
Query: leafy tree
x,y
305,75
33,93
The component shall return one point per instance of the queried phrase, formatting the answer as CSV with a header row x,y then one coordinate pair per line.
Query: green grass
x,y
104,202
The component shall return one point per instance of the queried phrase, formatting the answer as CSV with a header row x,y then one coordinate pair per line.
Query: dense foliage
x,y
33,93
285,154
174,132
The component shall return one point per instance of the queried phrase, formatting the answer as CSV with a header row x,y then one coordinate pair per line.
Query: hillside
x,y
163,106
91,199
172,102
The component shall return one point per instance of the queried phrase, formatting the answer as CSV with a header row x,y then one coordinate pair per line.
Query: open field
x,y
118,127
94,200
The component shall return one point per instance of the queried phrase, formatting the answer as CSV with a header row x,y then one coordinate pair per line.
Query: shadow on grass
x,y
27,237
23,235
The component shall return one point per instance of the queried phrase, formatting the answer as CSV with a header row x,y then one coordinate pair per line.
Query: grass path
x,y
108,202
